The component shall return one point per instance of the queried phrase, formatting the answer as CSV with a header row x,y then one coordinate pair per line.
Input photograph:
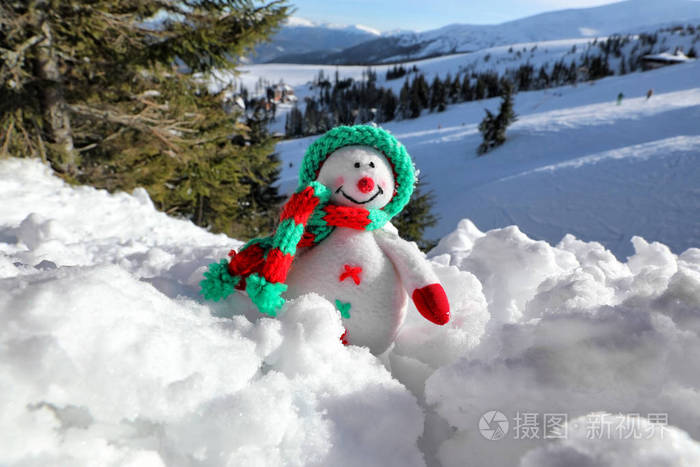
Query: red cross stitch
x,y
353,272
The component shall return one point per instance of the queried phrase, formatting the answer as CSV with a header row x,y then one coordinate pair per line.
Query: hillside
x,y
575,161
622,17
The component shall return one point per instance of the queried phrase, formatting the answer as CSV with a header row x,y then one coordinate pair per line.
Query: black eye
x,y
371,164
357,165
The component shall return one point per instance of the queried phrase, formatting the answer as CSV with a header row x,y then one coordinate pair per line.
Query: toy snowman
x,y
335,239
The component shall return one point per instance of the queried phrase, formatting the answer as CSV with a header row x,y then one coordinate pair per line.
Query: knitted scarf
x,y
261,266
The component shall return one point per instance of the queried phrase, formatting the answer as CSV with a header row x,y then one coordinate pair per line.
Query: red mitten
x,y
432,303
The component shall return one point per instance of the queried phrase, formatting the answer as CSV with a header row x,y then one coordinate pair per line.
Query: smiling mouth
x,y
379,192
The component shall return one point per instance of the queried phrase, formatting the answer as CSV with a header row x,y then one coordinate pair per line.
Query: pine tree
x,y
493,128
404,100
446,85
543,79
623,67
388,106
455,90
479,89
109,92
294,124
421,91
467,92
437,95
599,68
416,217
263,197
311,117
524,77
414,105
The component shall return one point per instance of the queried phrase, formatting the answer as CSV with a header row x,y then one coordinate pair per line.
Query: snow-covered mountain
x,y
300,36
625,16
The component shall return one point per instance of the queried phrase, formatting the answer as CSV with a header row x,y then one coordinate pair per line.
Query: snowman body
x,y
367,274
350,269
335,239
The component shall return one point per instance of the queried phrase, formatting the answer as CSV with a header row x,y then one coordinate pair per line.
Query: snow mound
x,y
106,369
112,358
571,331
646,445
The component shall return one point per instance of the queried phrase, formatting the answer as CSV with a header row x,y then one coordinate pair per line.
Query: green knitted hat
x,y
363,135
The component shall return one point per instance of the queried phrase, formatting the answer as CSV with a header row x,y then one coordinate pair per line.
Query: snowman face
x,y
358,176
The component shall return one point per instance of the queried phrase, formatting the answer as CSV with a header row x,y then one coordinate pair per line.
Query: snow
x,y
667,57
649,450
113,359
299,22
368,29
573,331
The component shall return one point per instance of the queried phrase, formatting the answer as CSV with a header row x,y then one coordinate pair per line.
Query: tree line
x,y
349,101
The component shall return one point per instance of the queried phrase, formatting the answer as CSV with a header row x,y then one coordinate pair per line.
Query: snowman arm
x,y
417,276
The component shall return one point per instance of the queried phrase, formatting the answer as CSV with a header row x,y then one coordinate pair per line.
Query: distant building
x,y
282,93
652,62
234,104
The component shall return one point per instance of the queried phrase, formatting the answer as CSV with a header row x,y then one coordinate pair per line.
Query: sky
x,y
422,15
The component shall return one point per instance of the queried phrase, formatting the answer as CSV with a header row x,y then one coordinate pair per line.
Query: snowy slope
x,y
494,59
574,162
500,59
108,357
620,17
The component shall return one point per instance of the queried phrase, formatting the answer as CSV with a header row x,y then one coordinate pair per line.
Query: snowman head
x,y
358,176
363,166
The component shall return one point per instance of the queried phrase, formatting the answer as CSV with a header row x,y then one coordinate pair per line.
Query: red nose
x,y
365,184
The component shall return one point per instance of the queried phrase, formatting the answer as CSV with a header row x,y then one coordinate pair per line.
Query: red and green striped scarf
x,y
261,266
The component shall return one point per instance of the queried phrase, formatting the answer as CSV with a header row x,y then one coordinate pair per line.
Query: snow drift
x,y
109,357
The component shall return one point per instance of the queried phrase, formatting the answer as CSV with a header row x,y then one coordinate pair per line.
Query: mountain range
x,y
298,41
300,36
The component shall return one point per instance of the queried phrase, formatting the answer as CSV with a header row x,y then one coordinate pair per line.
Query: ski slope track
x,y
575,162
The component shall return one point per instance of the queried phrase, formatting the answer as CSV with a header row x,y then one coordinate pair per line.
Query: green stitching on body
x,y
343,308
